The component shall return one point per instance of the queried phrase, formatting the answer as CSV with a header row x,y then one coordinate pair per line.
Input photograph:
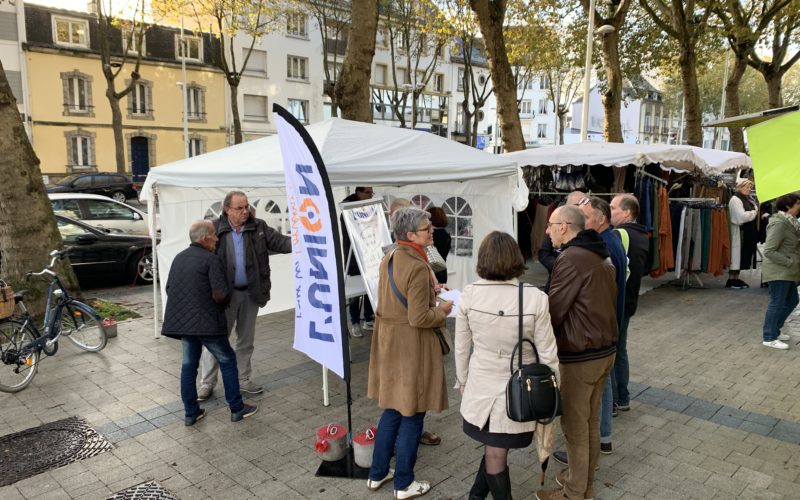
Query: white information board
x,y
369,233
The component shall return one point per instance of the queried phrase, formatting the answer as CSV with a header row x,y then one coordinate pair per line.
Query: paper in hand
x,y
453,296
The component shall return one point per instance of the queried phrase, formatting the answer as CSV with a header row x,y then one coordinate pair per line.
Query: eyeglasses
x,y
551,224
424,229
583,201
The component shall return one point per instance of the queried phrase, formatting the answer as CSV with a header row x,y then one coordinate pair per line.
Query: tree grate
x,y
150,490
30,452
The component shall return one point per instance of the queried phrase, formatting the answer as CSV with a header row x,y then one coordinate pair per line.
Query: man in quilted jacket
x,y
197,294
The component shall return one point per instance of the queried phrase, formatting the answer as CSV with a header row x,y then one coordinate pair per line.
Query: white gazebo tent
x,y
610,154
480,190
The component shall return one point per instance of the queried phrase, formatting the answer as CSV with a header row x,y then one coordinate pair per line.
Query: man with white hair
x,y
197,294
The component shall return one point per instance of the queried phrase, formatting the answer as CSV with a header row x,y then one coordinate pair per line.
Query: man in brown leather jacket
x,y
583,295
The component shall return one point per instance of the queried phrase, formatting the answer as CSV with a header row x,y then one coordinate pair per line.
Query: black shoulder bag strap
x,y
520,341
395,290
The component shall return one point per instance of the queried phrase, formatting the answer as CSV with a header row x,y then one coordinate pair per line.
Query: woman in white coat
x,y
744,232
487,324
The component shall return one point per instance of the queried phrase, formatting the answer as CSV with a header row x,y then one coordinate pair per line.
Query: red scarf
x,y
416,247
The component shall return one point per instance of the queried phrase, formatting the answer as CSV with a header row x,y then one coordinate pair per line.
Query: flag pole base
x,y
344,467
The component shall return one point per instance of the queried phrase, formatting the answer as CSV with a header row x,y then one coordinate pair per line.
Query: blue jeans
x,y
396,432
621,371
782,301
606,407
354,306
220,348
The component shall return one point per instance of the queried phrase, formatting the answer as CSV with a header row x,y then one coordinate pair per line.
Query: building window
x,y
80,150
133,36
380,74
197,145
334,70
194,48
299,109
525,107
296,25
257,63
402,76
542,107
255,108
297,68
438,82
195,102
459,225
544,82
140,100
460,83
77,91
71,32
541,131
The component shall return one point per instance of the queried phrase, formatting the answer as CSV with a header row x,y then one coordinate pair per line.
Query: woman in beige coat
x,y
488,324
406,369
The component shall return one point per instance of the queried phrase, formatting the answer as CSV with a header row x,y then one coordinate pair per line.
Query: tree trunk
x,y
562,118
491,14
688,62
732,100
28,229
352,87
773,79
237,122
116,126
612,98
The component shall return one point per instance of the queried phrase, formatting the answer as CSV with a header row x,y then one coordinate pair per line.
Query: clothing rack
x,y
641,172
558,193
685,282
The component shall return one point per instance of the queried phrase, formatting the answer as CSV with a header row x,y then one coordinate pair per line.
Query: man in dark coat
x,y
354,304
583,301
196,297
245,243
624,211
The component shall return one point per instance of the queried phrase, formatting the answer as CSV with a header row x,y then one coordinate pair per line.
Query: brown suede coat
x,y
406,366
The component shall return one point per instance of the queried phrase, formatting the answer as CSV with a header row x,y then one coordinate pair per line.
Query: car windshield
x,y
66,181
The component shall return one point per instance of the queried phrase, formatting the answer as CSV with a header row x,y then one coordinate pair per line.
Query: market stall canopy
x,y
611,154
355,154
775,150
752,118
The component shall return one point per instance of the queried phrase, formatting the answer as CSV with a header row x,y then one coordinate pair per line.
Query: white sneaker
x,y
355,331
368,325
784,337
376,485
413,490
776,344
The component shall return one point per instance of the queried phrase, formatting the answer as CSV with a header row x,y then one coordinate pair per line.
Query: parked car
x,y
101,212
96,252
117,186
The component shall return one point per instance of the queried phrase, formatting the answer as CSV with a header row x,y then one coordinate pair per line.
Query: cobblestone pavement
x,y
714,414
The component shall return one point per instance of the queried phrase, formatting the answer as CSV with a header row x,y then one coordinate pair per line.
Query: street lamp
x,y
590,31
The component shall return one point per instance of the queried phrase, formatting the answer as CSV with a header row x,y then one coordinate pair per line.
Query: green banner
x,y
775,151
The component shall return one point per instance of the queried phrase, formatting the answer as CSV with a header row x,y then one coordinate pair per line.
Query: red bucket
x,y
331,443
363,446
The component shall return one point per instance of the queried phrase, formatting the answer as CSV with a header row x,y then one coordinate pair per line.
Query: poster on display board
x,y
369,233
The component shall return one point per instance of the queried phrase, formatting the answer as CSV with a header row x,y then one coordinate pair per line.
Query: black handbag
x,y
532,392
440,331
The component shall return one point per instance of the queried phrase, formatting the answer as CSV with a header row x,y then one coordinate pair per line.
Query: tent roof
x,y
676,157
355,154
752,118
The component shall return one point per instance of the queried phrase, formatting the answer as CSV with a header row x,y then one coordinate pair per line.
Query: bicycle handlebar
x,y
55,255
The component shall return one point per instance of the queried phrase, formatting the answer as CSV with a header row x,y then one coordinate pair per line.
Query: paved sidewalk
x,y
715,415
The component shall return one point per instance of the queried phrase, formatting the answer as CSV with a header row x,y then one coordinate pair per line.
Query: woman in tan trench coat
x,y
406,369
488,324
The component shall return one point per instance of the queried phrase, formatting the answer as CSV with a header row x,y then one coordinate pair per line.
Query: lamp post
x,y
590,31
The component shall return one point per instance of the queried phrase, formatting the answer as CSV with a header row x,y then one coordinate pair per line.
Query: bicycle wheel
x,y
79,324
16,371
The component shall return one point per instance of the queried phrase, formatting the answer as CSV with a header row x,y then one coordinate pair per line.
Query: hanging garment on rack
x,y
539,227
681,237
720,247
619,179
697,239
706,227
666,256
568,178
647,203
654,246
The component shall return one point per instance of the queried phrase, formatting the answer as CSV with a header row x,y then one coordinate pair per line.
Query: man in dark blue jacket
x,y
197,293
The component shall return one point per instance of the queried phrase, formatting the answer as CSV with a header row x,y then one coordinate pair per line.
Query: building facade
x,y
12,40
71,115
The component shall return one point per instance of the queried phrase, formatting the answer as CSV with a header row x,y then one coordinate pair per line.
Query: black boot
x,y
500,485
480,488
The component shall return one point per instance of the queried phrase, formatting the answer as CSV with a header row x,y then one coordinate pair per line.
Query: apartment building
x,y
12,39
71,116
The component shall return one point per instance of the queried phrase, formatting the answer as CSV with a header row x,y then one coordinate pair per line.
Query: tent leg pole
x,y
325,399
151,214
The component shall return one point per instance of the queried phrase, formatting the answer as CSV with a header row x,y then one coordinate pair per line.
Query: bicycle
x,y
21,341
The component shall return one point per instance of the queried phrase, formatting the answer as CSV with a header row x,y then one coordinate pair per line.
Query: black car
x,y
117,186
106,253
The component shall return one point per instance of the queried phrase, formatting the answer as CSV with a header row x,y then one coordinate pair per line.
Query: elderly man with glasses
x,y
583,301
245,243
547,254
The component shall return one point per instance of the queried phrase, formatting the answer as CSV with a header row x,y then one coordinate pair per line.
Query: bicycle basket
x,y
6,300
